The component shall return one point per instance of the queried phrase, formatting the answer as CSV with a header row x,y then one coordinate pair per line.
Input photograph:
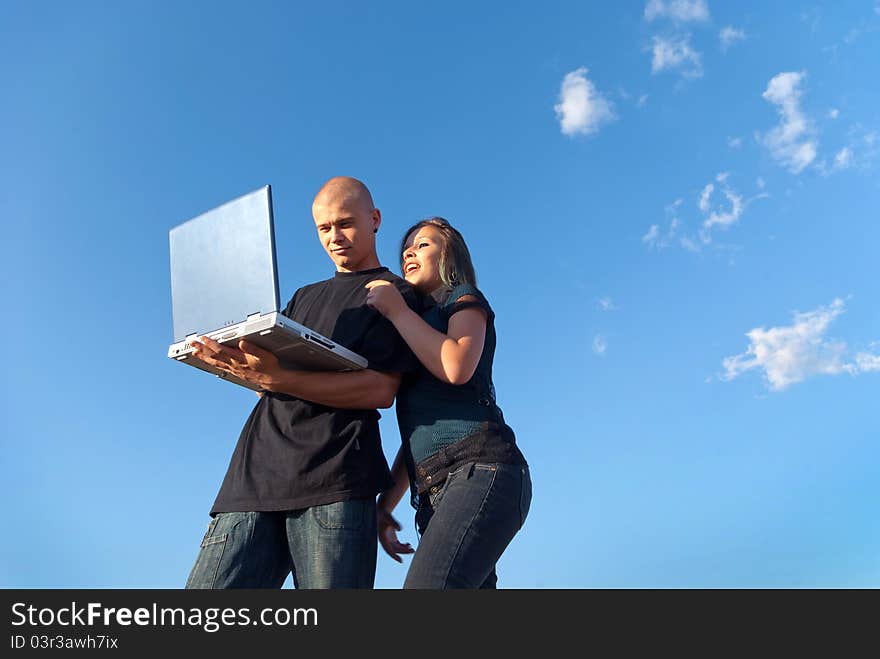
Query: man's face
x,y
346,228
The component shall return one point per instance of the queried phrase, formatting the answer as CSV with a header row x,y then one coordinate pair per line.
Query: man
x,y
299,494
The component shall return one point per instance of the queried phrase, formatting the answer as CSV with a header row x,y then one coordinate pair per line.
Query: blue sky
x,y
671,205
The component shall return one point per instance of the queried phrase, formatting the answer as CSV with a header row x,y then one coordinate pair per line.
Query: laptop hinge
x,y
254,315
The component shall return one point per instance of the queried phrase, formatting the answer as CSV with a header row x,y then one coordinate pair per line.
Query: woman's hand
x,y
387,528
384,297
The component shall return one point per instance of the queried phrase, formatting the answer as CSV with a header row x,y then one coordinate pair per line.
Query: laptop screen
x,y
223,265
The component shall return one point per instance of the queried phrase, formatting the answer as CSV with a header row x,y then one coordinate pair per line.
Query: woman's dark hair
x,y
455,259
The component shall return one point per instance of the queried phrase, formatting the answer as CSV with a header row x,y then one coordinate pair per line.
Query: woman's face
x,y
421,259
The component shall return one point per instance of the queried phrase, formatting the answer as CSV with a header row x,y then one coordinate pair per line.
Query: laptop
x,y
224,285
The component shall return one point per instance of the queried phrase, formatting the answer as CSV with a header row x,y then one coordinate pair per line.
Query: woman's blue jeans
x,y
329,546
467,524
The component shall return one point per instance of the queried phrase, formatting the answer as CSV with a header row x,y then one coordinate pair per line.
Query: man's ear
x,y
377,219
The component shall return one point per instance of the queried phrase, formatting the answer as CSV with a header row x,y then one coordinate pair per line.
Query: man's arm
x,y
360,390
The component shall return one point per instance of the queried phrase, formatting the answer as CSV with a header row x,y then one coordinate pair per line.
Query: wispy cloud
x,y
676,54
811,17
703,204
734,142
654,239
866,362
606,304
729,35
682,11
833,113
843,158
599,345
652,236
673,52
690,244
789,354
859,152
864,27
720,205
582,109
718,215
792,142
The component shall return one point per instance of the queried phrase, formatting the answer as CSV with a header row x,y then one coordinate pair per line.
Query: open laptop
x,y
224,285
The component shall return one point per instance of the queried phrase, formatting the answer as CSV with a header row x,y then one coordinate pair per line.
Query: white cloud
x,y
729,35
864,145
676,54
791,353
606,304
725,218
760,183
852,36
717,215
689,244
866,362
642,100
581,108
705,195
844,158
811,17
654,239
791,142
859,153
652,236
678,10
599,345
734,142
833,113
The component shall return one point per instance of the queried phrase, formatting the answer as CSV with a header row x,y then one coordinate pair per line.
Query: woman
x,y
470,484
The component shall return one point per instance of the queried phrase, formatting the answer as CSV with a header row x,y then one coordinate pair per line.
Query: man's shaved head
x,y
344,190
346,221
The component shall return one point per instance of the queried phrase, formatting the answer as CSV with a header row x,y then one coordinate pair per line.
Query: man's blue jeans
x,y
467,524
329,546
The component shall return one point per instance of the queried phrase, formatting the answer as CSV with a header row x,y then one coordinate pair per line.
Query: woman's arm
x,y
391,497
386,526
450,357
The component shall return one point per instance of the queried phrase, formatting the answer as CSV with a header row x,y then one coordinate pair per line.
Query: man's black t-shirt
x,y
294,453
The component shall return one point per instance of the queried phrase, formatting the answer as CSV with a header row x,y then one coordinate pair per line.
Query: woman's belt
x,y
494,442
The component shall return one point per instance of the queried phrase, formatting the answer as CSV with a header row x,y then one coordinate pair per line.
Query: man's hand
x,y
387,528
249,362
385,298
